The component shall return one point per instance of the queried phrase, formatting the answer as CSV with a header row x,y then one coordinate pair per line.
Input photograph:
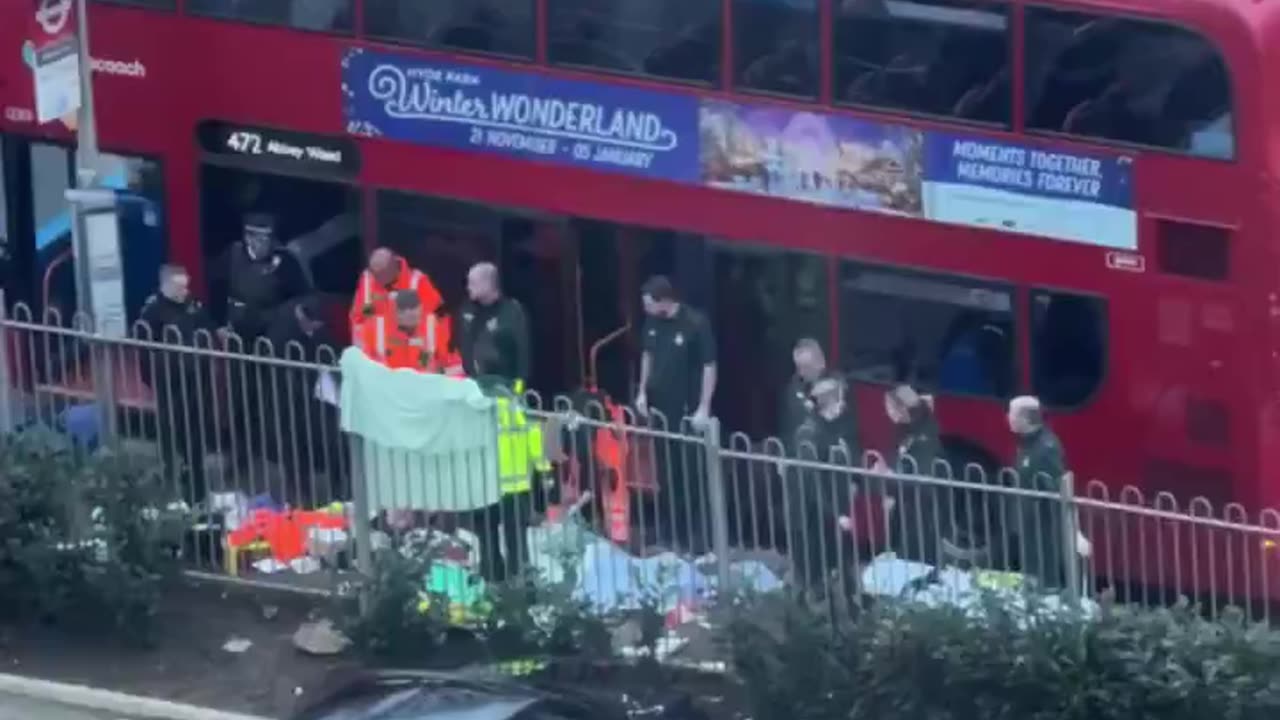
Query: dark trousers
x,y
186,420
681,508
250,388
914,528
501,528
815,543
182,427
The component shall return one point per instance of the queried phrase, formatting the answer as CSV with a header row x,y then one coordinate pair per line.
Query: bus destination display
x,y
283,149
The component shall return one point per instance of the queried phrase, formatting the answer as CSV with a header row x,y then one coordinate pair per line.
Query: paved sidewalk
x,y
17,707
24,698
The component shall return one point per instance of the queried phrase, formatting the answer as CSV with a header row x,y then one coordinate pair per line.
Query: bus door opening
x,y
765,301
305,183
15,256
615,262
534,254
317,221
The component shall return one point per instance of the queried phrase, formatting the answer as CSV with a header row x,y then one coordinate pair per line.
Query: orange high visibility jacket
x,y
420,350
390,345
373,299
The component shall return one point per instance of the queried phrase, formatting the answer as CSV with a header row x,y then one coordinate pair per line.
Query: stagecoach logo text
x,y
452,96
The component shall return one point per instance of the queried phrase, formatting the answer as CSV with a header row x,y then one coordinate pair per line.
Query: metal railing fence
x,y
250,440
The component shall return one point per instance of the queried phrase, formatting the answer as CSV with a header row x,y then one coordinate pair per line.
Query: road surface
x,y
16,707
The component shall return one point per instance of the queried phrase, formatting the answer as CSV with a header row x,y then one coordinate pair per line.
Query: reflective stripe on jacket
x,y
373,299
519,448
388,344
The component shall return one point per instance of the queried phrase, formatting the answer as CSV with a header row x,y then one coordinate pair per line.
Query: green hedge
x,y
884,660
82,542
907,661
522,619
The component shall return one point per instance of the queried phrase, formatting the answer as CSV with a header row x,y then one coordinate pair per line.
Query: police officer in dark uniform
x,y
260,278
817,498
796,403
179,379
677,379
493,319
913,508
301,432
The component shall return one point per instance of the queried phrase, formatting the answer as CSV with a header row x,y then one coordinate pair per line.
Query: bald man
x,y
386,275
490,318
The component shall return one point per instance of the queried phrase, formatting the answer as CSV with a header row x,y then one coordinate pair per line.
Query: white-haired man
x,y
1040,465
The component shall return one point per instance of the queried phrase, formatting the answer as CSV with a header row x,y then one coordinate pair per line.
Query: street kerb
x,y
107,701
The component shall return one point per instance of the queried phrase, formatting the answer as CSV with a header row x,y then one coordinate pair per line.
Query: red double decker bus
x,y
1069,198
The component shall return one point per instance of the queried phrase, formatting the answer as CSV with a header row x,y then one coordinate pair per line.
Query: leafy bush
x,y
82,536
533,617
907,661
523,618
393,626
36,575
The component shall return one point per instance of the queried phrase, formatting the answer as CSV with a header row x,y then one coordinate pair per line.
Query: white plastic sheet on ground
x,y
889,576
611,579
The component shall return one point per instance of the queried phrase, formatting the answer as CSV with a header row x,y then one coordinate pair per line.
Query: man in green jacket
x,y
521,463
1038,522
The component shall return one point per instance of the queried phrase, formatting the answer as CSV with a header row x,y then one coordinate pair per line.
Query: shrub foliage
x,y
83,539
908,661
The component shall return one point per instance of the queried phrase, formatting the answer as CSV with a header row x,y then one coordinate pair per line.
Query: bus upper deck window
x,y
670,39
499,27
320,15
1134,81
939,57
776,46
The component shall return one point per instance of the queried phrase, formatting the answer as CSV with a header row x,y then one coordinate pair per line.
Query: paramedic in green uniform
x,y
1038,522
520,462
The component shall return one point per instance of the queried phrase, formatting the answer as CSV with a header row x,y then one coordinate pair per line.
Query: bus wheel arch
x,y
973,519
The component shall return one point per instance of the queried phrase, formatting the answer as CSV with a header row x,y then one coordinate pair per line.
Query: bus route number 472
x,y
248,143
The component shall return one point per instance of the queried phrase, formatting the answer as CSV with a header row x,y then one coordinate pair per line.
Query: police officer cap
x,y
659,288
407,300
260,221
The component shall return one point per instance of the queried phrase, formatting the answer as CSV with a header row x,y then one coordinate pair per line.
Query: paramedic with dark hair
x,y
677,379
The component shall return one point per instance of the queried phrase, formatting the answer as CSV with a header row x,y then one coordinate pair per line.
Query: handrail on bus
x,y
596,347
47,280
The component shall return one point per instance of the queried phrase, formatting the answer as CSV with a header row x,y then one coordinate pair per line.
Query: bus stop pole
x,y
87,165
86,128
7,393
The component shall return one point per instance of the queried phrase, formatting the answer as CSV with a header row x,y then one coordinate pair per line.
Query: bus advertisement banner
x,y
826,160
525,115
1072,196
841,161
819,158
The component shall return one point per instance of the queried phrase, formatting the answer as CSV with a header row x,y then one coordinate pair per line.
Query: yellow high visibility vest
x,y
519,448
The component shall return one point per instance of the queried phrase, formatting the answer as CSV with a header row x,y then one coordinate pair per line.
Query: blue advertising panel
x,y
1073,196
820,158
841,161
521,114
